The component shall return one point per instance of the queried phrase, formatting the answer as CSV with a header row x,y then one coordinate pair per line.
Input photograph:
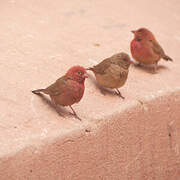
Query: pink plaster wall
x,y
141,142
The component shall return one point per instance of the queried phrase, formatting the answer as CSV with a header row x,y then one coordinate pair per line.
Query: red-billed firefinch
x,y
145,49
112,72
68,89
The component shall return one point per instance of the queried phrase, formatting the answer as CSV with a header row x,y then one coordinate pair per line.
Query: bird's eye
x,y
80,73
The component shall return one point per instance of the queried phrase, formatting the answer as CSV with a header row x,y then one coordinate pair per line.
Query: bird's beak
x,y
85,75
133,31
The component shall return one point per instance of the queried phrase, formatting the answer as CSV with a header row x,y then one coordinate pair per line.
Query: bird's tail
x,y
167,58
37,91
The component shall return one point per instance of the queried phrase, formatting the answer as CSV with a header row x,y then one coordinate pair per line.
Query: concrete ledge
x,y
134,139
140,142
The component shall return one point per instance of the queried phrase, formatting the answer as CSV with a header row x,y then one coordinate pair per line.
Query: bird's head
x,y
77,73
143,33
123,59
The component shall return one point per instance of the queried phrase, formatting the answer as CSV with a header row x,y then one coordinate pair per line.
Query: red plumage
x,y
68,89
145,48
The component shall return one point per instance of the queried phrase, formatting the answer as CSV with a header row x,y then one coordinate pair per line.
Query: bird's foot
x,y
154,72
77,117
119,94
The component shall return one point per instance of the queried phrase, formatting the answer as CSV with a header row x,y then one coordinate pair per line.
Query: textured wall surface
x,y
133,139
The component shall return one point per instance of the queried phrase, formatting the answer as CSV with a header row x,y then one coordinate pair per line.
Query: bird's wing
x,y
157,48
57,87
123,74
102,66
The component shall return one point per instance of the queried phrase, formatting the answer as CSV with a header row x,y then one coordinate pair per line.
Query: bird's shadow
x,y
62,112
150,69
102,90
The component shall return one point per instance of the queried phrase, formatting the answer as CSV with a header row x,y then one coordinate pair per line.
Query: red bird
x,y
145,49
68,89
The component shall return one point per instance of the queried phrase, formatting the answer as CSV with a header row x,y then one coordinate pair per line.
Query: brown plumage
x,y
145,48
68,89
112,72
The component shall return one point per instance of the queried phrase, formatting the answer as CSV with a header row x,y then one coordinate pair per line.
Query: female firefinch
x,y
68,89
145,49
113,71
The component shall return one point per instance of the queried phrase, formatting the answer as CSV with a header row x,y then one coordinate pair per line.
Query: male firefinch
x,y
68,89
145,49
112,72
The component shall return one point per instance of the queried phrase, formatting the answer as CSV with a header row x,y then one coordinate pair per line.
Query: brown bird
x,y
145,49
112,72
68,89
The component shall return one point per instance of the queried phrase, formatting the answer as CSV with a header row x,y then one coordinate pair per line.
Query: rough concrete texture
x,y
133,139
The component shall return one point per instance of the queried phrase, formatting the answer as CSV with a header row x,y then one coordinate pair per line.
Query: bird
x,y
68,89
145,48
112,72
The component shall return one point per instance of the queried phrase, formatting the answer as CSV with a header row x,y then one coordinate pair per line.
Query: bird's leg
x,y
155,67
74,113
119,94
